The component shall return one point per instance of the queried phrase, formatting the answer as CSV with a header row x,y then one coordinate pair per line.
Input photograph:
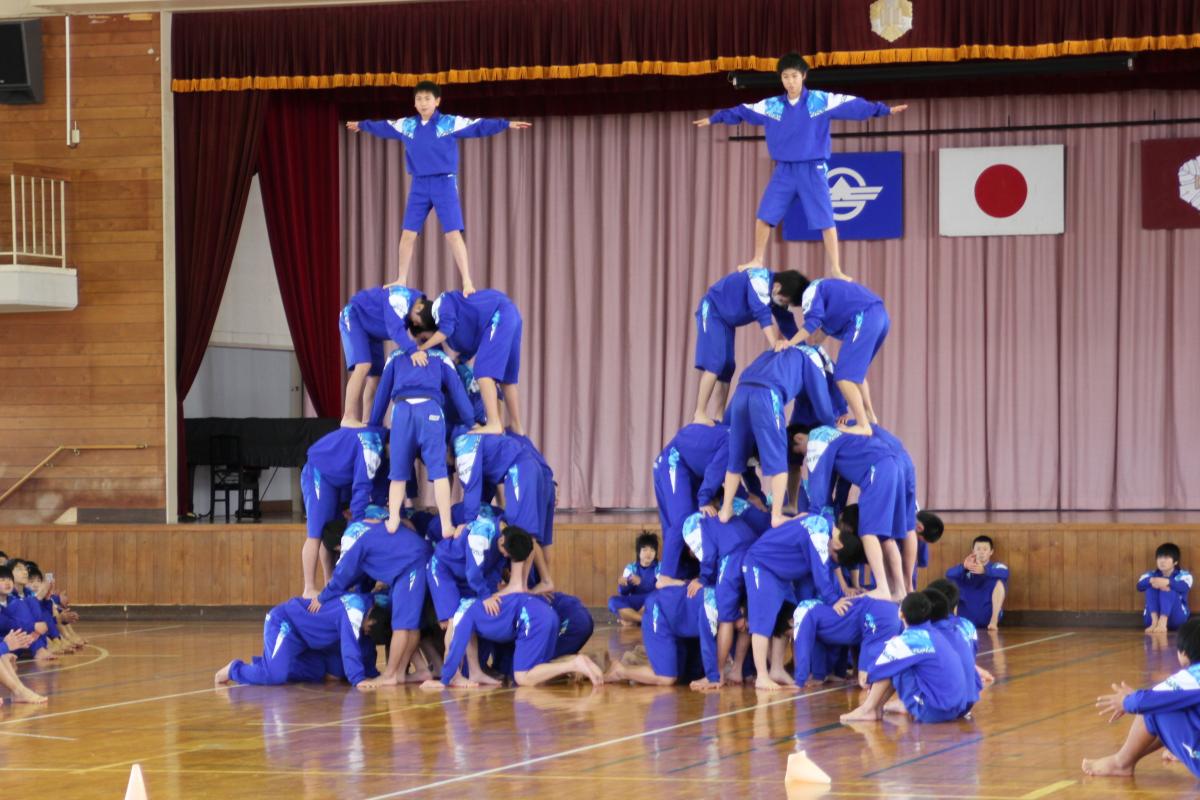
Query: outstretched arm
x,y
750,113
383,128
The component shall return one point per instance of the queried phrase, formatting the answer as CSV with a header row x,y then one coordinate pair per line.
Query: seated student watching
x,y
982,584
18,614
637,581
1166,588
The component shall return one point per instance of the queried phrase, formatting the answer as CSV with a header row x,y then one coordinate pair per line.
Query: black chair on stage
x,y
229,476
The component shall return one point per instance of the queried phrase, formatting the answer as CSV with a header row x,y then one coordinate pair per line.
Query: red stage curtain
x,y
476,41
298,172
216,151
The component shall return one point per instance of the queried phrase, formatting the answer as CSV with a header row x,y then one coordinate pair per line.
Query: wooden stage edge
x,y
1076,570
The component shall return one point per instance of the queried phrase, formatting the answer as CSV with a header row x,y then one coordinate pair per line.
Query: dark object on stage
x,y
264,442
21,62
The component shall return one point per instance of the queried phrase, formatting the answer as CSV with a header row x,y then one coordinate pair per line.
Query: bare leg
x,y
732,481
370,386
833,253
870,409
541,562
8,678
432,658
441,498
629,616
871,709
354,396
779,673
778,495
577,664
479,675
1138,744
512,402
725,634
326,562
458,246
404,257
641,673
908,557
399,654
854,399
874,551
762,234
708,382
895,567
309,554
420,668
721,395
491,406
998,595
395,501
760,645
736,667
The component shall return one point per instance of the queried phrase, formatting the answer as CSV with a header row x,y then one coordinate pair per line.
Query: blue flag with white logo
x,y
867,190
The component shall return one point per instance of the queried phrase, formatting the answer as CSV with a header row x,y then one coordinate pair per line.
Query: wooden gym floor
x,y
143,693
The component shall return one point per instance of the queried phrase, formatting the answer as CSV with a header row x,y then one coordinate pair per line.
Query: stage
x,y
1067,568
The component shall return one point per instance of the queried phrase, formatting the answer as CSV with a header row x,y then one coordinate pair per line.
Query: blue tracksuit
x,y
397,559
431,157
817,631
631,595
16,614
852,314
495,459
371,316
808,409
1172,602
303,647
486,327
549,488
925,673
790,562
736,300
975,591
575,624
525,619
908,472
343,466
672,617
1171,712
867,462
964,640
798,141
468,566
419,396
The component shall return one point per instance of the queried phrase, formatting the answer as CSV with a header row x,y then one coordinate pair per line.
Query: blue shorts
x,y
437,192
881,510
803,180
445,589
550,499
676,499
756,421
524,497
408,597
1178,733
575,624
909,479
537,636
731,587
766,593
285,659
357,344
417,428
714,343
634,602
320,501
499,354
662,646
870,329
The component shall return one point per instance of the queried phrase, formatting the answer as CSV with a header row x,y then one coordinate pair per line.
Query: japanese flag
x,y
1000,191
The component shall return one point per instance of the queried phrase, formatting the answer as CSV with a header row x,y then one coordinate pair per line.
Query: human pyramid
x,y
740,567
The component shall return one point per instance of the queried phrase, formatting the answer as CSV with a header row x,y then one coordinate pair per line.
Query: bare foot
x,y
894,706
734,676
594,672
484,679
880,594
862,714
222,675
764,683
29,696
459,682
1168,757
348,422
44,655
858,429
1106,767
418,676
376,683
432,685
993,626
776,521
392,524
702,419
704,685
782,678
488,429
309,594
615,674
841,276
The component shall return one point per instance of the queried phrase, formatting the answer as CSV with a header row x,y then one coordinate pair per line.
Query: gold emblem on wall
x,y
891,19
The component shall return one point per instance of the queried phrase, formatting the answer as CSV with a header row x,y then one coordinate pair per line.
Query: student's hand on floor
x,y
1114,704
703,122
314,606
694,586
842,606
419,358
492,605
352,126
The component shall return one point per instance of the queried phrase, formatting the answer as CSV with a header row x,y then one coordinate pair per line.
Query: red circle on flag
x,y
1001,190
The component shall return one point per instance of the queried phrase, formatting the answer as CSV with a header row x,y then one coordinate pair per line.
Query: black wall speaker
x,y
21,62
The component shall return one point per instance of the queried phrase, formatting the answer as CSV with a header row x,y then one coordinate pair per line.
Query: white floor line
x,y
128,633
791,698
115,705
39,736
1027,644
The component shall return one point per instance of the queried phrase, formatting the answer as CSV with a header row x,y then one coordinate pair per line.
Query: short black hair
x,y
792,61
3,556
948,588
518,543
646,539
427,86
784,621
939,604
851,553
916,608
377,625
932,526
31,566
982,538
1187,641
5,572
1170,550
847,521
12,562
331,534
35,572
789,285
792,430
425,319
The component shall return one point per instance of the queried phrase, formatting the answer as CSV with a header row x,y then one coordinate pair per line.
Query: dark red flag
x,y
1171,183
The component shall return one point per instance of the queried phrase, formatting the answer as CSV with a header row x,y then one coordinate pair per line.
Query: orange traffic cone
x,y
137,786
801,769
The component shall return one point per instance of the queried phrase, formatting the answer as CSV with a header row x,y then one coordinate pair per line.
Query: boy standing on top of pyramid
x,y
797,127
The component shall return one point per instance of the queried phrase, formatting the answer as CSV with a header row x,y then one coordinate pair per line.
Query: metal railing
x,y
37,217
72,448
